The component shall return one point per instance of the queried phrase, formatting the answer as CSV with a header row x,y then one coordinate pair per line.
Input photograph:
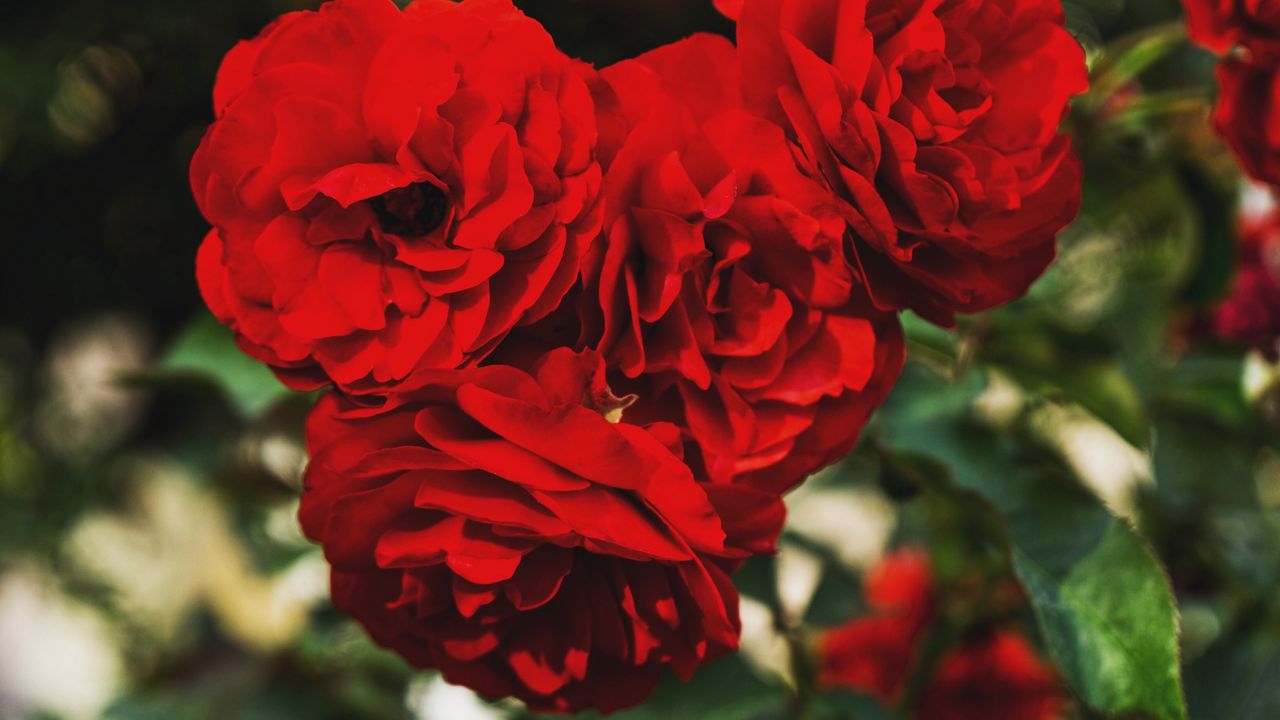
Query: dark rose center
x,y
411,211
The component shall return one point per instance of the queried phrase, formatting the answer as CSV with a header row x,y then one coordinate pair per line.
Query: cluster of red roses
x,y
991,673
1247,34
585,327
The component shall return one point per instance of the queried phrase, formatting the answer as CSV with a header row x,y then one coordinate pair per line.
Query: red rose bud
x,y
720,281
495,525
936,123
1222,25
1250,315
392,190
995,674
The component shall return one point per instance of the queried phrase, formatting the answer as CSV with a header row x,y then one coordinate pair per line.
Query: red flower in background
x,y
1247,115
493,524
936,123
393,190
995,674
1247,32
1222,25
875,654
1251,314
995,677
721,280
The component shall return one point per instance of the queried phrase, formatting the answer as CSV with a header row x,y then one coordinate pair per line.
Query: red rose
x,y
994,674
720,281
875,654
493,524
1221,25
730,8
937,124
1251,314
1246,116
393,190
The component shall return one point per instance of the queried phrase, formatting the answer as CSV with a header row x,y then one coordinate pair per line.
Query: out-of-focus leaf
x,y
138,707
1218,248
1102,600
1130,56
928,341
835,600
1106,391
207,350
1086,19
1197,463
758,579
843,705
1210,387
1204,450
1140,112
1099,385
1238,679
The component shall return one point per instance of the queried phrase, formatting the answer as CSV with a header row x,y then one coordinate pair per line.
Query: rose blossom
x,y
496,525
937,123
1247,33
992,674
1246,116
393,190
720,284
995,675
1251,313
875,653
1221,25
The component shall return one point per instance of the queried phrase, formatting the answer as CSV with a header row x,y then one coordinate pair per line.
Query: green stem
x,y
1127,58
802,672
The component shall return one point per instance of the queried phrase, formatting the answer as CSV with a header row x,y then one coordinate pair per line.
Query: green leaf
x,y
1110,622
1101,598
758,579
843,705
835,600
1129,57
1198,465
207,351
1238,678
1098,385
1209,386
1218,249
928,341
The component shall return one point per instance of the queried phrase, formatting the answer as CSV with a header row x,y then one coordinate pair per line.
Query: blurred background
x,y
150,562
